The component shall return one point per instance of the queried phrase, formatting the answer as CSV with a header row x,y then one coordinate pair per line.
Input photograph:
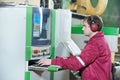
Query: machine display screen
x,y
41,27
36,31
36,18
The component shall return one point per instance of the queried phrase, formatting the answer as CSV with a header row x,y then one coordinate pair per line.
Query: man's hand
x,y
44,61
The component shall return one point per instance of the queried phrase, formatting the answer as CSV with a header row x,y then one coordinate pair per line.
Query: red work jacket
x,y
94,62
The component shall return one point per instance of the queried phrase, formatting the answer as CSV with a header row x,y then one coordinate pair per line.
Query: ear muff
x,y
93,25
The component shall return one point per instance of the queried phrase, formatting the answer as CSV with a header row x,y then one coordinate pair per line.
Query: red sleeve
x,y
89,54
67,63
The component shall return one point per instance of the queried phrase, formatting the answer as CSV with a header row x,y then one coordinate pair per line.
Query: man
x,y
94,62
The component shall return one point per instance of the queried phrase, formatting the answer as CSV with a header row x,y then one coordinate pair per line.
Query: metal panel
x,y
12,43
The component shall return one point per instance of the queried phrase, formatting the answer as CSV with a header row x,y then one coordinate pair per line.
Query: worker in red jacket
x,y
94,61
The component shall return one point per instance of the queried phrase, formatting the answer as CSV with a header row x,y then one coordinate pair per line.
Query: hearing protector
x,y
93,25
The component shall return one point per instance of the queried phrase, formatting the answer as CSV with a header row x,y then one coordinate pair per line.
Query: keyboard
x,y
34,66
38,67
44,67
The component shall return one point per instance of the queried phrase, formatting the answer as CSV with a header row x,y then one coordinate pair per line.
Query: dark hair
x,y
95,22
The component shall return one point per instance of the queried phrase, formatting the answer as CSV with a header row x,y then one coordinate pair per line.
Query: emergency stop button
x,y
36,51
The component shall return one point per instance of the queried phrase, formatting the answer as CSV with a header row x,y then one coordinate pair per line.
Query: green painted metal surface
x,y
28,38
28,26
77,29
28,32
52,55
110,30
53,68
27,75
28,53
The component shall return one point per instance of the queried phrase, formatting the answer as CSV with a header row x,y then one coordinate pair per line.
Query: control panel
x,y
40,52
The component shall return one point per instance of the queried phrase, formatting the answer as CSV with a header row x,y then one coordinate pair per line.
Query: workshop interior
x,y
34,29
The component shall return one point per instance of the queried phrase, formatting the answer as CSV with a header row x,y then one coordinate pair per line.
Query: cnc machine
x,y
29,34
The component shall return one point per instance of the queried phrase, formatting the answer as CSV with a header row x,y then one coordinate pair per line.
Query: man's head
x,y
92,24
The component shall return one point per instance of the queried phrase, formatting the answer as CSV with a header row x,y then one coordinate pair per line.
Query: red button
x,y
36,51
